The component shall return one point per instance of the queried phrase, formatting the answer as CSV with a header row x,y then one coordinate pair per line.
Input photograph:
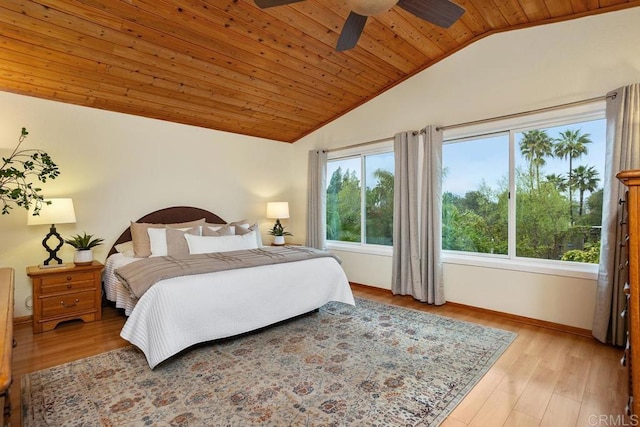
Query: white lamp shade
x,y
278,210
60,211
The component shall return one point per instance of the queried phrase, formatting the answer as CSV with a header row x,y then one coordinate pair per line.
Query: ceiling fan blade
x,y
351,31
263,4
443,13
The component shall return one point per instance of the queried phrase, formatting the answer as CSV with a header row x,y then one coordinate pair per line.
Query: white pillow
x,y
244,228
210,244
126,249
216,227
158,240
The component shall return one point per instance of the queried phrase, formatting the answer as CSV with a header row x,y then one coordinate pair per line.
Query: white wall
x,y
502,74
118,167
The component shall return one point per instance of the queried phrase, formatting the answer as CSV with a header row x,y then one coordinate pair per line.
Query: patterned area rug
x,y
374,365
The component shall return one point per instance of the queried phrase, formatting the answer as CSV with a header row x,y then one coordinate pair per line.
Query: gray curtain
x,y
622,153
417,216
317,200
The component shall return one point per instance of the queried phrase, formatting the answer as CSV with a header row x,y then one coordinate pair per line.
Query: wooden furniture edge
x,y
35,271
7,282
629,176
22,320
629,226
514,317
7,276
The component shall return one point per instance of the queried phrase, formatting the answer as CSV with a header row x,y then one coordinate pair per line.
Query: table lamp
x,y
52,212
277,211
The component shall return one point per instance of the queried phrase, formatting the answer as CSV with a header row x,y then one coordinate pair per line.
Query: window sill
x,y
360,248
575,270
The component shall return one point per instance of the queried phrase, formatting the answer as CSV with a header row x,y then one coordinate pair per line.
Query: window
x,y
475,194
360,196
528,190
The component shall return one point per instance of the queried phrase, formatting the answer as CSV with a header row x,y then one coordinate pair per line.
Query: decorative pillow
x,y
244,223
218,230
177,243
241,230
140,236
214,226
210,244
159,239
126,249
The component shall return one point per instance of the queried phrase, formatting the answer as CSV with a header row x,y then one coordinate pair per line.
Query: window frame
x,y
361,151
512,126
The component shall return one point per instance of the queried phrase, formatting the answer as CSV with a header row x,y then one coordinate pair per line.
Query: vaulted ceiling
x,y
229,65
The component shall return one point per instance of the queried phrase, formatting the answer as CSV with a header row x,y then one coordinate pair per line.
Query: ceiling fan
x,y
442,13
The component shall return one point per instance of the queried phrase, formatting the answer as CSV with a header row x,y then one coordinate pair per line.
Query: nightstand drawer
x,y
70,303
70,286
57,279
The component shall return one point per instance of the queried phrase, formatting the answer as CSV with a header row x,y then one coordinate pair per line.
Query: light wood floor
x,y
545,377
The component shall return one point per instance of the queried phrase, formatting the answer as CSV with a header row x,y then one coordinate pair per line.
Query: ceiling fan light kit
x,y
371,7
442,13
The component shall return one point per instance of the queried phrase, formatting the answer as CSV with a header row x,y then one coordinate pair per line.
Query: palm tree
x,y
558,181
535,146
585,179
572,145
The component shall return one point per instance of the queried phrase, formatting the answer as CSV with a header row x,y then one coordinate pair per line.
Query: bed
x,y
179,312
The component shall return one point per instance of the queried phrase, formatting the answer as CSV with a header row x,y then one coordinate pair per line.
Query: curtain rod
x,y
526,113
362,144
481,121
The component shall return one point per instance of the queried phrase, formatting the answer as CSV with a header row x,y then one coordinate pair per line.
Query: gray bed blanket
x,y
139,276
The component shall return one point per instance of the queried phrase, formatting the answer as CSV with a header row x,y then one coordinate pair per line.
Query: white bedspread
x,y
177,313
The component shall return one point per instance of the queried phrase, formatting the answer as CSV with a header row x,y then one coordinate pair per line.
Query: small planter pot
x,y
278,240
83,257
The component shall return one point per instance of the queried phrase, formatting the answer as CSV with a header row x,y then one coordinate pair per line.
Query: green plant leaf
x,y
86,241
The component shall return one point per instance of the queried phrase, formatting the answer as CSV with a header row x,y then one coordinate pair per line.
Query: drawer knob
x,y
75,302
69,278
69,286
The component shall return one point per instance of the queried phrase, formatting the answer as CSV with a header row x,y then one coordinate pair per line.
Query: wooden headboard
x,y
170,216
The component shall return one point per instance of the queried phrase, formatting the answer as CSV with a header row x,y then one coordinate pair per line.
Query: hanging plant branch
x,y
17,173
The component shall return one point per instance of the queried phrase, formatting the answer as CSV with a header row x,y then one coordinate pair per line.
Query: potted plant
x,y
278,233
84,247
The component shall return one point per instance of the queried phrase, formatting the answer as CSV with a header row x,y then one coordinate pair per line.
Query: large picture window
x,y
530,191
360,197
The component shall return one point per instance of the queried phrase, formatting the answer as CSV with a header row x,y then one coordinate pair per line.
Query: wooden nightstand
x,y
65,293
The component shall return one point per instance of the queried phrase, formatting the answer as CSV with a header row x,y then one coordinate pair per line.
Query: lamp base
x,y
52,266
53,252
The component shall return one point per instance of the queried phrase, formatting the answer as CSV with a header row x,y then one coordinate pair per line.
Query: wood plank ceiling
x,y
228,65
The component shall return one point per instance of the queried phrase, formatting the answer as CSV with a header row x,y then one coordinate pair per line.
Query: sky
x,y
470,162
